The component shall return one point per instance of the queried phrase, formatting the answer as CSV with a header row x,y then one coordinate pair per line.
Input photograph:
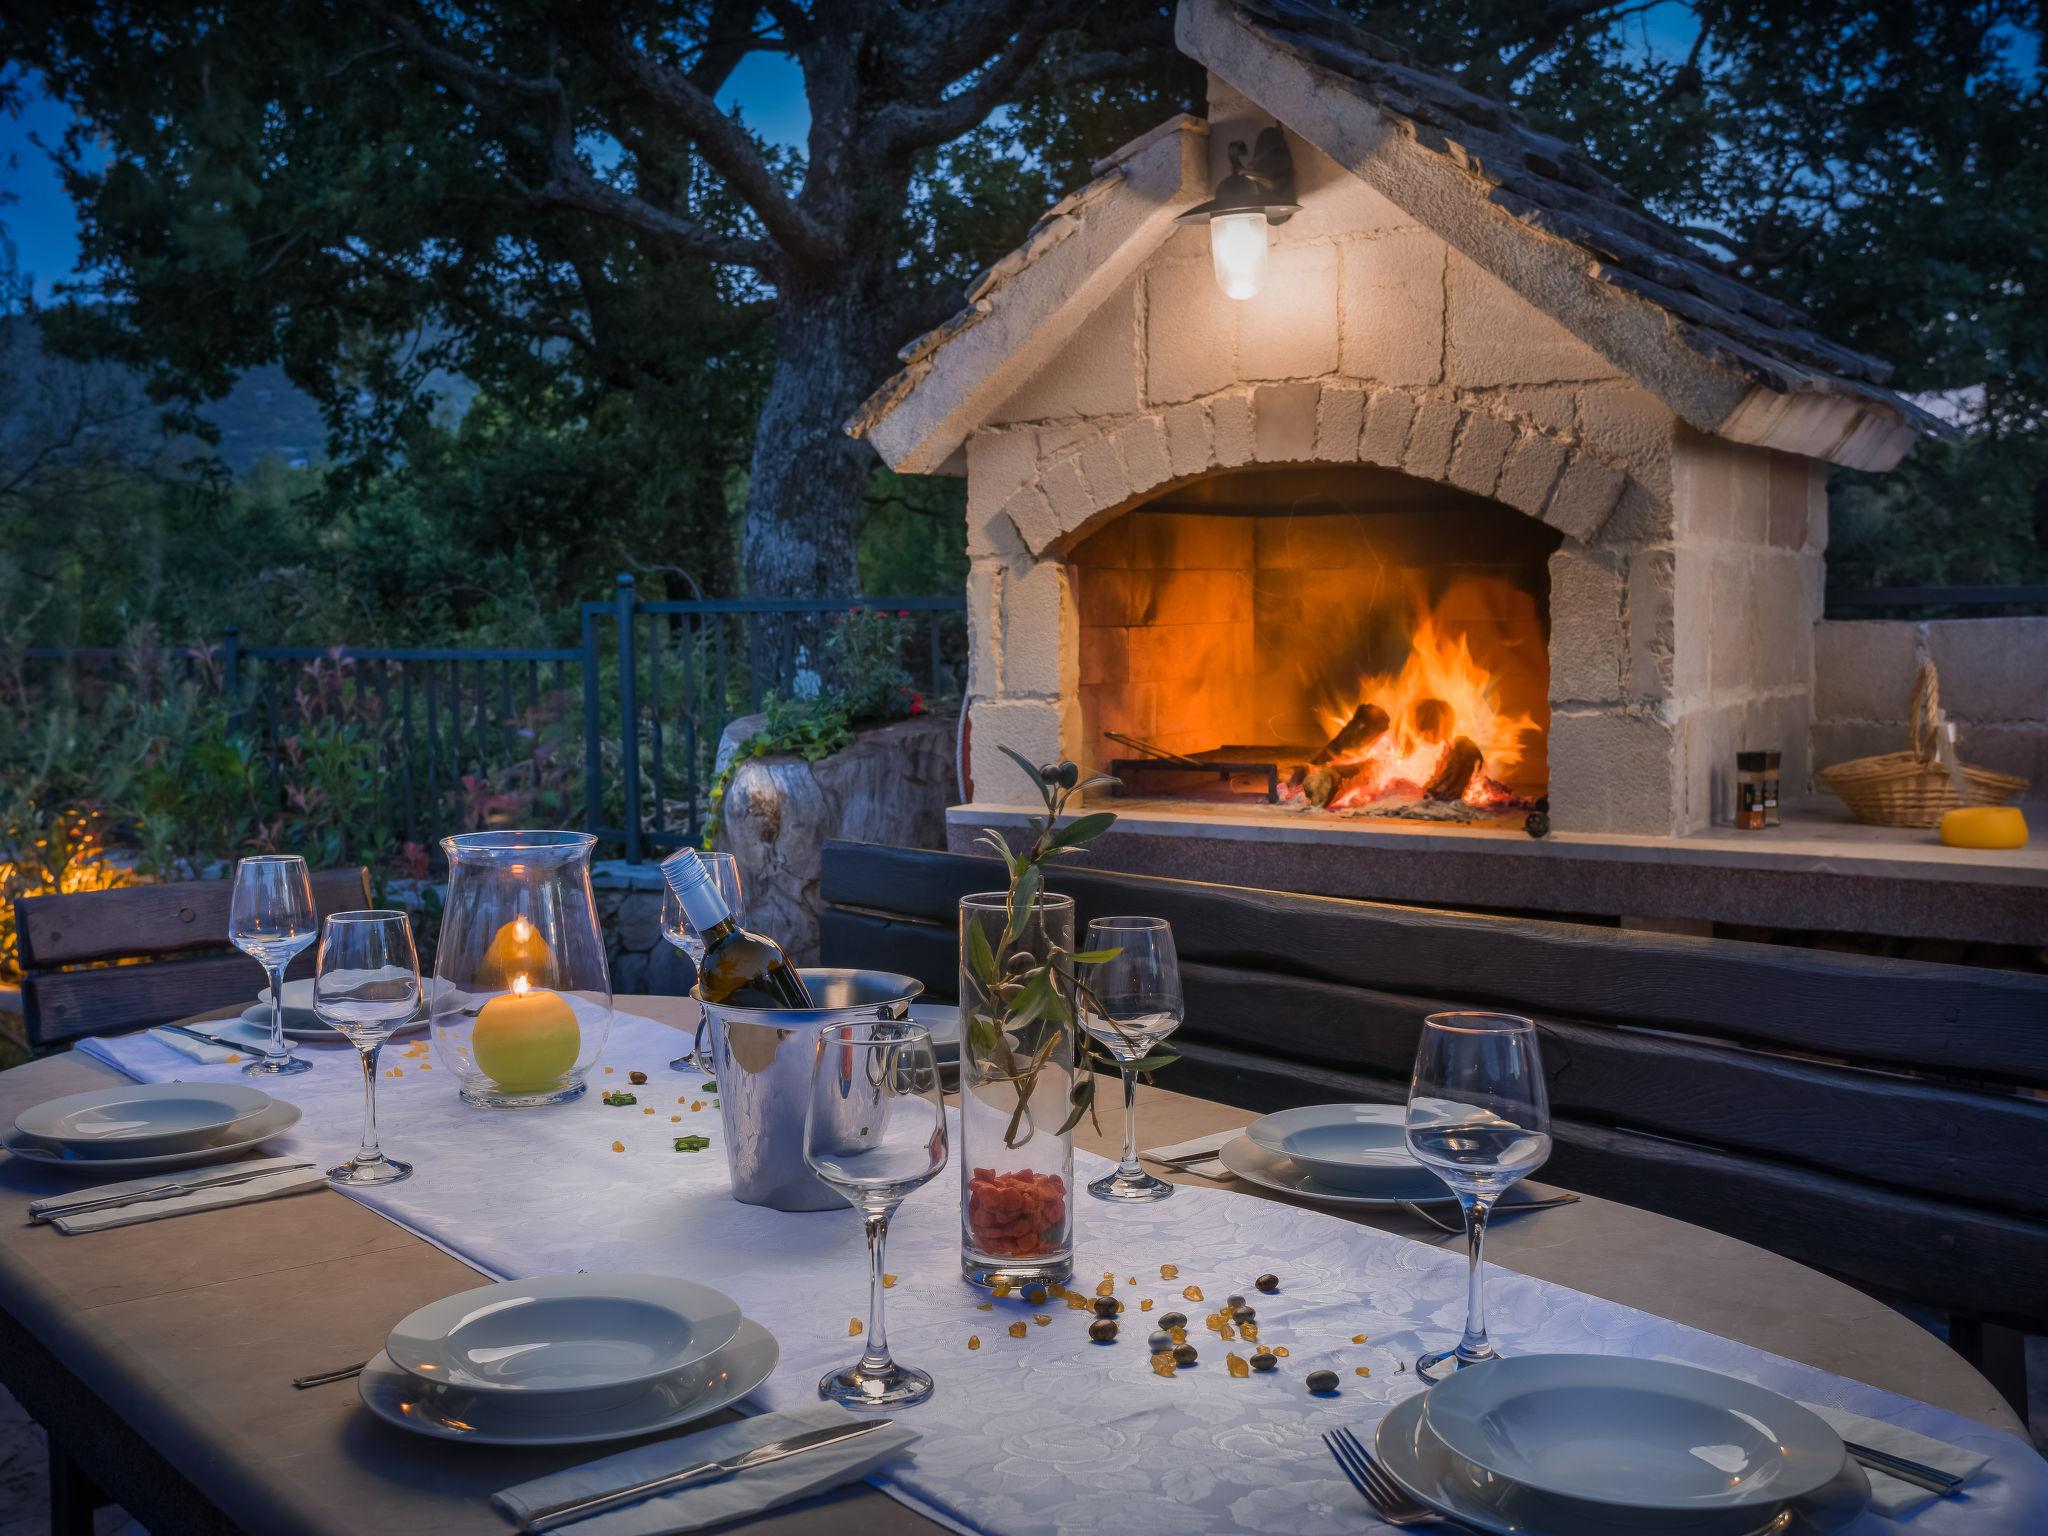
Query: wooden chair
x,y
179,933
1882,1120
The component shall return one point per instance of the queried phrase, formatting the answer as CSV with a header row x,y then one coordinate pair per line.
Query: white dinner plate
x,y
128,1120
943,1021
1420,1463
1270,1170
302,1023
275,1121
715,1382
1355,1147
1635,1434
560,1340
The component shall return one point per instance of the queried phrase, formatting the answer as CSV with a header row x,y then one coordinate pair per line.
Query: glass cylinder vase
x,y
522,999
1017,1075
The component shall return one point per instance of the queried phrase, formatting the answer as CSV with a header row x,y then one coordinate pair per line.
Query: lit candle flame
x,y
520,986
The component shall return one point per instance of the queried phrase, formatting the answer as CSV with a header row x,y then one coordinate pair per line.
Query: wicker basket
x,y
1913,788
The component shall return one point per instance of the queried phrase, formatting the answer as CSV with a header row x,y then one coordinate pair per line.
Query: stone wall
x,y
1994,685
1682,593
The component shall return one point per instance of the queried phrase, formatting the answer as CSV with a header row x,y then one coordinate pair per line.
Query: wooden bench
x,y
1882,1120
174,935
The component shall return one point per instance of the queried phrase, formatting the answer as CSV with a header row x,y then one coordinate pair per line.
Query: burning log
x,y
1360,731
1452,777
1432,719
1320,787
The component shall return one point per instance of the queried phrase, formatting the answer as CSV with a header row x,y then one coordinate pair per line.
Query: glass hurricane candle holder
x,y
522,991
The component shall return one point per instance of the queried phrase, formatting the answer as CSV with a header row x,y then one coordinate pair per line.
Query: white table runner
x,y
1048,1432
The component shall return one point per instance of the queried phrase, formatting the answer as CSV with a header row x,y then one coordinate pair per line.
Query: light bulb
x,y
1237,247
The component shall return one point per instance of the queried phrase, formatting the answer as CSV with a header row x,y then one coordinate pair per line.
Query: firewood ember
x,y
1322,784
1432,719
1296,775
1450,780
1360,731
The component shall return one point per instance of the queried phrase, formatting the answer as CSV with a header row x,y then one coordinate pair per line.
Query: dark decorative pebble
x,y
1184,1354
1034,1295
1321,1381
1265,1360
1267,1283
1232,1303
1107,1306
1173,1320
1161,1342
1243,1315
1103,1330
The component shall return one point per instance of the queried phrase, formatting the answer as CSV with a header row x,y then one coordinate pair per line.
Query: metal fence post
x,y
593,718
629,716
231,674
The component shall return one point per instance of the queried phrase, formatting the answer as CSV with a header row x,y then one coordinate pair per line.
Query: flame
x,y
521,986
1441,692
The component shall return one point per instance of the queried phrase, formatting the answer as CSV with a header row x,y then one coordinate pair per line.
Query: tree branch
x,y
901,128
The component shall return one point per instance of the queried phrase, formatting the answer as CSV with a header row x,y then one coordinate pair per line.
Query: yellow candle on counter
x,y
525,1039
516,951
1984,826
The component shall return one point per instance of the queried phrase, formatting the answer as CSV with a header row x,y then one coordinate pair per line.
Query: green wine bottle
x,y
747,970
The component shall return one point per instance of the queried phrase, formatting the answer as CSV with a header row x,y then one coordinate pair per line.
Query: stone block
x,y
1530,472
1109,545
1588,636
1732,639
1032,727
999,463
1692,619
1428,453
1992,669
1094,374
1103,468
1553,407
1627,424
1841,741
1384,439
1041,632
1025,526
1284,417
1585,493
1722,489
1142,446
638,924
1784,621
1481,453
1190,333
1652,624
1339,418
1790,498
1289,329
1230,418
1499,337
984,627
1067,496
1709,738
1613,771
1392,296
1187,439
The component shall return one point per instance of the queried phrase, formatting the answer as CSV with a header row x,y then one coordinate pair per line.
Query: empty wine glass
x,y
366,985
1130,1002
270,919
1479,1118
875,1130
675,924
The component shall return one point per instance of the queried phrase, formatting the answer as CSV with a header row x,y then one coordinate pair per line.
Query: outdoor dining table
x,y
163,1353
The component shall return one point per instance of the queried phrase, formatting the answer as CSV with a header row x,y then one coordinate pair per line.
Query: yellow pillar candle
x,y
525,1039
516,952
1984,826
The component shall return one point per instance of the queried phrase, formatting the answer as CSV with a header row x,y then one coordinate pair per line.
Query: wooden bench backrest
x,y
179,931
1880,1119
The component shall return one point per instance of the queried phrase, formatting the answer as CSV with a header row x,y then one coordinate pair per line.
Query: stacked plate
x,y
129,1128
567,1360
1343,1154
1594,1445
301,1023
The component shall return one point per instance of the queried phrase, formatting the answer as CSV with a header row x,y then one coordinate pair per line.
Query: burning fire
x,y
1442,726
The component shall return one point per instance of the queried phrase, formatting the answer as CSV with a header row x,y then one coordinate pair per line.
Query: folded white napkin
x,y
1210,1168
277,1176
237,1039
1890,1496
730,1498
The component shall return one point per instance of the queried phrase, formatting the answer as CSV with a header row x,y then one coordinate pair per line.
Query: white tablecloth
x,y
1048,1432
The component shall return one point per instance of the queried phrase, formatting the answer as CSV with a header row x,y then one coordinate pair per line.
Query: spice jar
x,y
1756,790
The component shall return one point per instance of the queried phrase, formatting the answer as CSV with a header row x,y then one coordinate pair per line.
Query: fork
x,y
1389,1500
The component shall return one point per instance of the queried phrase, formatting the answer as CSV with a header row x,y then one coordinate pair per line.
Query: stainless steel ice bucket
x,y
761,1059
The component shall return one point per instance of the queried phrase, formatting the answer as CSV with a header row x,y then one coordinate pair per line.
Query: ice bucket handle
x,y
893,1011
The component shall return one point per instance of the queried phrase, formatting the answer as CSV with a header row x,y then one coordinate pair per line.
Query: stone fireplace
x,y
1499,495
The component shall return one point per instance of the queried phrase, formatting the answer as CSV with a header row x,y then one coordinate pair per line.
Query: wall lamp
x,y
1258,193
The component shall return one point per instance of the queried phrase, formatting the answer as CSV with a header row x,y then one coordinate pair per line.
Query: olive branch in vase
x,y
1020,988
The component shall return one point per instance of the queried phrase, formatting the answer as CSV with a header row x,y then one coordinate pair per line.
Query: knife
x,y
546,1519
204,1038
1918,1473
162,1192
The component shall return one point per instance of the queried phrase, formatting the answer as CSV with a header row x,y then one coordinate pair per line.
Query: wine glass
x,y
270,919
1478,1118
367,985
1130,1001
875,1130
675,925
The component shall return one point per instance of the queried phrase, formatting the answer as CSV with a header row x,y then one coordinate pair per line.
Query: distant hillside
x,y
263,416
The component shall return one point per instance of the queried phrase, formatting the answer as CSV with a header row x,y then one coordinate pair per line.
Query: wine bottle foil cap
x,y
684,871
